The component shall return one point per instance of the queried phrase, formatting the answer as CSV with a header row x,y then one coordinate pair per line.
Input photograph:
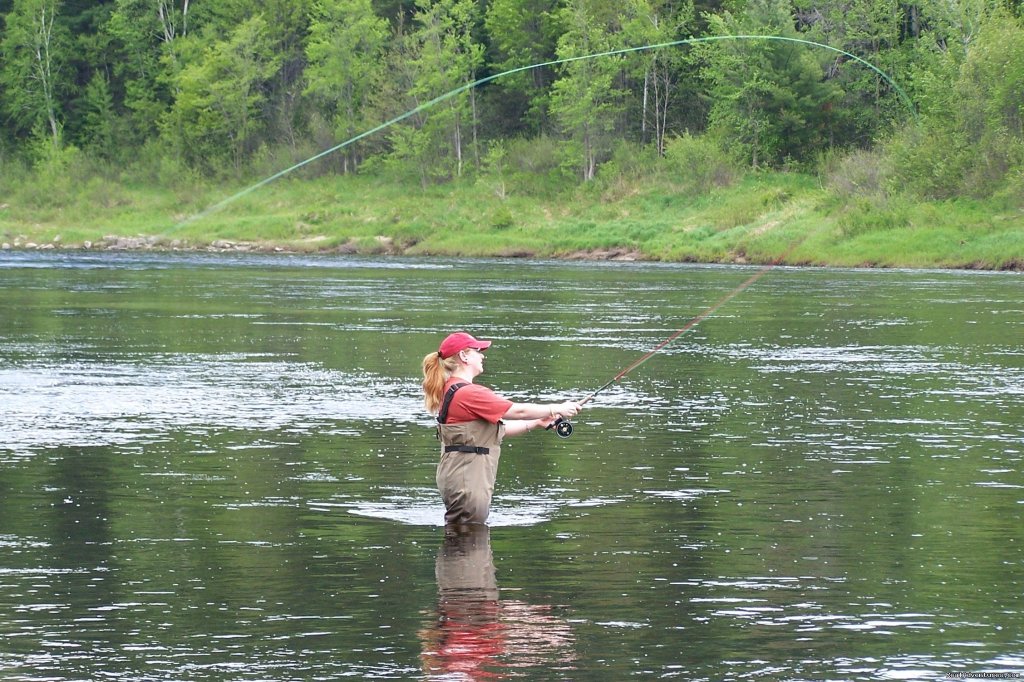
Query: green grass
x,y
759,219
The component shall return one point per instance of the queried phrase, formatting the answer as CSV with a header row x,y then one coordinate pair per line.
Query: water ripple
x,y
112,403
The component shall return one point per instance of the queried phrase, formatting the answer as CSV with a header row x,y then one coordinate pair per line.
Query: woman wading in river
x,y
472,420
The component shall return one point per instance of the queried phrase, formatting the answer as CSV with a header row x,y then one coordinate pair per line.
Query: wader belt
x,y
466,448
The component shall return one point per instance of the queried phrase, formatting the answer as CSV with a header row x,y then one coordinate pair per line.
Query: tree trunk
x,y
643,114
457,144
476,125
44,65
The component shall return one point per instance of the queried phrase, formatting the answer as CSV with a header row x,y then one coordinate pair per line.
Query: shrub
x,y
697,164
858,173
535,166
968,142
502,218
929,161
630,164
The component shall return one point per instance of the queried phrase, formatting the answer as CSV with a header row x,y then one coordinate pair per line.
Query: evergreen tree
x,y
522,33
771,102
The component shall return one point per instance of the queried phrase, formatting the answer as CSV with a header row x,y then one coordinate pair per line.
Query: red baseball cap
x,y
460,341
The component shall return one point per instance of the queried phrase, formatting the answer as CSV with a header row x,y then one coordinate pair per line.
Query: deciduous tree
x,y
147,33
34,71
345,52
441,55
217,112
585,98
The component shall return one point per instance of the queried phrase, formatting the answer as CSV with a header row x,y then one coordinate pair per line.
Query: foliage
x,y
216,115
971,139
99,120
439,55
654,75
991,97
204,87
345,51
585,99
522,32
145,38
34,67
771,101
697,165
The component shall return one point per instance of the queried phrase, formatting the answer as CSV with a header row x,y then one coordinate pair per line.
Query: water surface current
x,y
219,468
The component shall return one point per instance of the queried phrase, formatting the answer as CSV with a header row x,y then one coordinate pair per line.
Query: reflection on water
x,y
219,468
478,635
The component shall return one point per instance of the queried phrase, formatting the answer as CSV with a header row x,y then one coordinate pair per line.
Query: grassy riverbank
x,y
756,219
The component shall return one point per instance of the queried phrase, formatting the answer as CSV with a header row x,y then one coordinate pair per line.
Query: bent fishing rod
x,y
563,427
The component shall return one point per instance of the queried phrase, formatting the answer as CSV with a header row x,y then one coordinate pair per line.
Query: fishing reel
x,y
562,427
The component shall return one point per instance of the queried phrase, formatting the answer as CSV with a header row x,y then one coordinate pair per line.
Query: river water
x,y
219,468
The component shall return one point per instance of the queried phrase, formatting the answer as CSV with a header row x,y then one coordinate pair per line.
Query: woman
x,y
471,422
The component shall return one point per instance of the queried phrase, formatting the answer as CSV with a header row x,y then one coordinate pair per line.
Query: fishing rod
x,y
563,427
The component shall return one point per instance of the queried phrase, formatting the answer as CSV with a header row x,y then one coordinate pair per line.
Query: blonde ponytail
x,y
435,373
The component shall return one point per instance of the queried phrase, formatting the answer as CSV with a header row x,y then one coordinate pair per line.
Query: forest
x,y
881,98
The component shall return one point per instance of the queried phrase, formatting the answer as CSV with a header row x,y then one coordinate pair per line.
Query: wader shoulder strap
x,y
442,416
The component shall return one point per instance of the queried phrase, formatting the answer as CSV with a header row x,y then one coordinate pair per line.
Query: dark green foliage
x,y
249,87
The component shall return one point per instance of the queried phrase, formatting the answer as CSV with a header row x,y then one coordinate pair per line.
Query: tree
x,y
217,113
441,55
991,97
33,72
345,52
99,120
771,101
522,33
148,33
870,29
287,30
972,135
654,22
173,19
585,99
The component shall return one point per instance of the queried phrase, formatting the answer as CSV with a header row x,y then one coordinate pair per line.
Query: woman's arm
x,y
517,427
541,411
523,417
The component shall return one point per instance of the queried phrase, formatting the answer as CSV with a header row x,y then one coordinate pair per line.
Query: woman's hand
x,y
546,421
556,411
569,408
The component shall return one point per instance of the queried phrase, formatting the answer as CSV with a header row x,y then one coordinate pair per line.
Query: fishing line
x,y
462,88
562,426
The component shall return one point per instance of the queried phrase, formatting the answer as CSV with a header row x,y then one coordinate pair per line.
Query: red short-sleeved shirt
x,y
473,401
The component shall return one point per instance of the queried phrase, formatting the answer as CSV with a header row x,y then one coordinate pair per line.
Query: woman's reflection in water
x,y
478,636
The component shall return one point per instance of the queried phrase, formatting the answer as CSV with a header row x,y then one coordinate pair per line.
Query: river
x,y
218,467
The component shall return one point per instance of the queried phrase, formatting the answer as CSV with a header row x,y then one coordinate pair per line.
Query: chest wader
x,y
468,466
